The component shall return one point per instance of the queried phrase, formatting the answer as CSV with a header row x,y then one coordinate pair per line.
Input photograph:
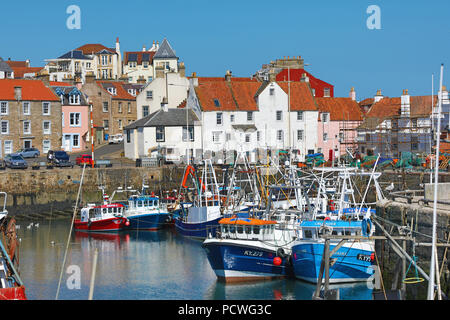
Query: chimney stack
x,y
353,94
228,76
378,96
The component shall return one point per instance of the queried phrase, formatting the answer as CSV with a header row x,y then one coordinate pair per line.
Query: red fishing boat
x,y
99,218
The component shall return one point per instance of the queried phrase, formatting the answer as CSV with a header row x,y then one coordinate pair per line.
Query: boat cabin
x,y
143,202
105,211
312,230
247,228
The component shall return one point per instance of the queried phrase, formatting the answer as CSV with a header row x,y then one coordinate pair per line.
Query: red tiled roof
x,y
19,72
122,94
234,95
32,90
301,98
94,48
421,105
18,64
60,84
182,104
366,102
340,109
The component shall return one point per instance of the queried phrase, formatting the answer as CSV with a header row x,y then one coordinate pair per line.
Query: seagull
x,y
36,225
390,187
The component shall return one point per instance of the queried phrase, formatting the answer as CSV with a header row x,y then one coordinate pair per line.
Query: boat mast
x,y
436,177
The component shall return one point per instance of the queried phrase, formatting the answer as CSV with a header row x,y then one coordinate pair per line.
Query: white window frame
x,y
7,126
75,119
29,127
6,105
280,135
26,103
49,130
74,99
105,103
8,149
77,136
216,136
300,135
149,94
300,115
48,110
279,115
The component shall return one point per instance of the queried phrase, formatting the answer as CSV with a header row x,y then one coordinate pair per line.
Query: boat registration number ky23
x,y
363,257
252,253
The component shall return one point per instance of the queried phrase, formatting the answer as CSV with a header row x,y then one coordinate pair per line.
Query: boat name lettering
x,y
253,253
363,257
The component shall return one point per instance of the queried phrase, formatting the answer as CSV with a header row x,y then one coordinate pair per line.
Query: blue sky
x,y
214,36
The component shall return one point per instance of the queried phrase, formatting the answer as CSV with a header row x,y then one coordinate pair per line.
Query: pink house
x,y
337,123
75,116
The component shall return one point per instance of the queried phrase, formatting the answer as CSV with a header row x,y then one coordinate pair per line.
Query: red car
x,y
84,158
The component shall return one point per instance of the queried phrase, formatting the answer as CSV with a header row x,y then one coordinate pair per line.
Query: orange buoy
x,y
277,261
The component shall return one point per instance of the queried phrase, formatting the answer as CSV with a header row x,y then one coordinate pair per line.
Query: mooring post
x,y
94,268
327,264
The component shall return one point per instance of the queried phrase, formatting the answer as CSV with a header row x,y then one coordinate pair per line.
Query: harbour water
x,y
131,265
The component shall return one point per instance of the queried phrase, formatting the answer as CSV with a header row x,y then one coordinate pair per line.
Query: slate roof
x,y
165,51
4,66
138,56
66,91
74,54
170,118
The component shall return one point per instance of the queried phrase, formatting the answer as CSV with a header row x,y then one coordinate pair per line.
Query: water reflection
x,y
141,265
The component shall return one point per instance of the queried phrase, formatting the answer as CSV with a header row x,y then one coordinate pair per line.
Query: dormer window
x,y
216,103
112,90
132,92
74,99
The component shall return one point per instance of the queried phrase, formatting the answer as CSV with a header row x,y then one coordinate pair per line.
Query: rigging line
x,y
70,232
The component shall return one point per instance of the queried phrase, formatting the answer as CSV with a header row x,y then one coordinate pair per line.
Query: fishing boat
x,y
248,249
350,263
201,216
146,212
11,285
100,218
343,231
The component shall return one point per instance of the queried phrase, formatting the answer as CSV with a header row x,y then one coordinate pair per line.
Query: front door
x,y
67,146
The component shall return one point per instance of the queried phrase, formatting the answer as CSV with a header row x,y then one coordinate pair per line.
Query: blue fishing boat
x,y
201,217
145,212
352,262
248,249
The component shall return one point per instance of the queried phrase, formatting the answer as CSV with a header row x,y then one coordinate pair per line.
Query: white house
x,y
138,65
170,132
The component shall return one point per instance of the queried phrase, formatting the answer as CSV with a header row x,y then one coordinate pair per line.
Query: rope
x,y
70,233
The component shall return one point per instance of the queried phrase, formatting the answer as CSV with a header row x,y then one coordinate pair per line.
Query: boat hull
x,y
14,293
104,225
150,221
239,261
197,229
351,263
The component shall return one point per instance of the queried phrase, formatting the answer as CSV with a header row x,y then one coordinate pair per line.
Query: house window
x,y
191,133
76,141
300,115
280,135
219,118
47,127
326,92
279,115
26,108
144,111
216,136
4,107
145,64
106,124
300,135
271,91
247,138
27,144
249,116
4,126
231,118
88,65
228,137
128,136
46,108
216,103
149,94
105,106
325,137
325,117
8,147
129,107
46,145
105,74
112,90
74,99
149,79
258,135
120,124
160,136
119,107
74,118
27,127
104,60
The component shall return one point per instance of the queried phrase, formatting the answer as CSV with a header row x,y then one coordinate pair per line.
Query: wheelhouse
x,y
312,230
136,203
101,212
247,228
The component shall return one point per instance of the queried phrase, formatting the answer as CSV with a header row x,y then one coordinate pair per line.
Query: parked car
x,y
29,153
84,158
117,138
15,160
61,159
